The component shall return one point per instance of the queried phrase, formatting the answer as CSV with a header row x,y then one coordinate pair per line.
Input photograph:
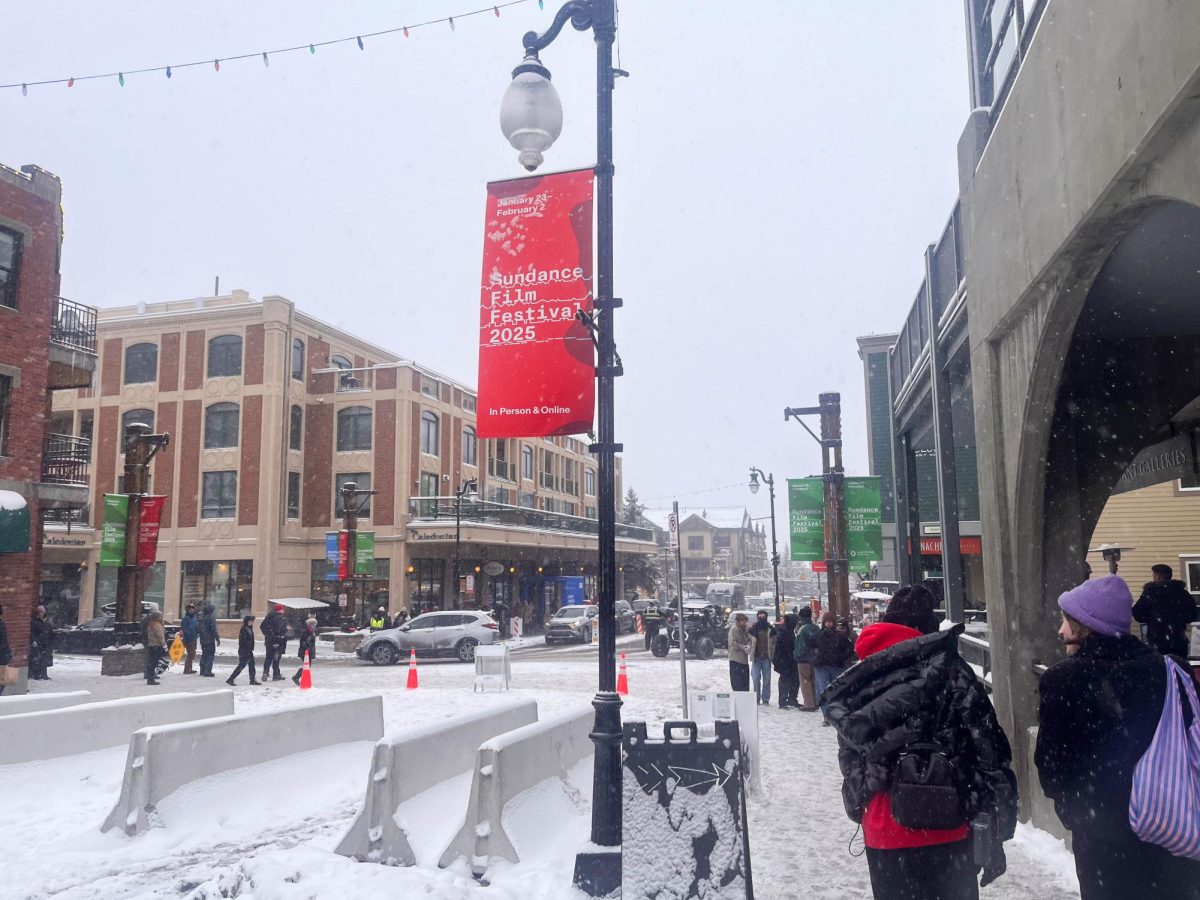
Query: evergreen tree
x,y
631,513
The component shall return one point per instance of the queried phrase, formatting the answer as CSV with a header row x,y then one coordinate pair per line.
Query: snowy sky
x,y
781,165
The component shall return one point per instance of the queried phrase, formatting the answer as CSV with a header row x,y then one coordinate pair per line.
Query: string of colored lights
x,y
265,55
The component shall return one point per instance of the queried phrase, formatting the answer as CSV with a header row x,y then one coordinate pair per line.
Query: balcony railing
x,y
441,509
65,459
60,515
73,326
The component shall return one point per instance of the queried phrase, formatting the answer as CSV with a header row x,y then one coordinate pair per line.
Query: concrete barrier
x,y
504,767
406,764
26,703
94,726
1041,807
153,768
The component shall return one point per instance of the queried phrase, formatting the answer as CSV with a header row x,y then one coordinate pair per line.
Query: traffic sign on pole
x,y
673,530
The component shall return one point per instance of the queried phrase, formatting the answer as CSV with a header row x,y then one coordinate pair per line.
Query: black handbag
x,y
924,791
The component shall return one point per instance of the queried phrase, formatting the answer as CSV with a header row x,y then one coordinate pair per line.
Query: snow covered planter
x,y
684,820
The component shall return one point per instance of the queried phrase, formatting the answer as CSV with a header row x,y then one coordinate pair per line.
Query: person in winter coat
x,y
911,688
835,651
274,632
740,646
6,653
763,634
804,650
209,639
245,652
380,620
1099,711
189,630
785,664
156,645
41,644
1166,608
308,643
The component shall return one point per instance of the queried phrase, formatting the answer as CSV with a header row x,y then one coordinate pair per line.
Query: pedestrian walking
x,y
41,646
925,764
245,652
1100,709
834,653
308,642
209,639
763,633
740,646
274,632
1166,608
784,663
156,645
804,651
189,630
6,654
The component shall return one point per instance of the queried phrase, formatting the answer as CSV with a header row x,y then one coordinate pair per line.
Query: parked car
x,y
99,632
625,617
456,634
572,623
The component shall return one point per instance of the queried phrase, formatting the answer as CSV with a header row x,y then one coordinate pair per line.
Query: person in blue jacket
x,y
189,630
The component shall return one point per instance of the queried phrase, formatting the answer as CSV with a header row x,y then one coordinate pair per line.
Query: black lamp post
x,y
756,474
531,119
470,487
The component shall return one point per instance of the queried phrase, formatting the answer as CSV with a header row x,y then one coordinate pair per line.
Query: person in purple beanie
x,y
1099,710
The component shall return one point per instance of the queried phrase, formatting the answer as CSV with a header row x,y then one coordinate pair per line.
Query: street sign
x,y
820,565
673,531
684,814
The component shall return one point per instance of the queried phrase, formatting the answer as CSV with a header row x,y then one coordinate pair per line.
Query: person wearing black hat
x,y
804,650
784,663
274,631
245,652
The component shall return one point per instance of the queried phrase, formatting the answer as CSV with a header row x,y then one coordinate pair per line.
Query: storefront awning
x,y
14,523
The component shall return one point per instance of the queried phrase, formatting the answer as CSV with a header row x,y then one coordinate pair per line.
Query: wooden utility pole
x,y
140,448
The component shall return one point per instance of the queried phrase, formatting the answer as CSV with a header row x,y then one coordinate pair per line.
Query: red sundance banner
x,y
149,522
343,563
537,374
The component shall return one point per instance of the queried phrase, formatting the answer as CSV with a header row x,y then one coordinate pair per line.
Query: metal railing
x,y
978,652
73,325
65,459
60,515
441,509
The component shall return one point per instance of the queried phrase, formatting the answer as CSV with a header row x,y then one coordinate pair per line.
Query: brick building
x,y
47,345
270,411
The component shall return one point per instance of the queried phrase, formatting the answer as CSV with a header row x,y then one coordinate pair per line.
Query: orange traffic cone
x,y
306,674
622,678
412,670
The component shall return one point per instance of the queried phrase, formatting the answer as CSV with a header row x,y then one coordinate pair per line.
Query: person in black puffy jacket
x,y
785,664
308,644
912,687
1099,711
246,652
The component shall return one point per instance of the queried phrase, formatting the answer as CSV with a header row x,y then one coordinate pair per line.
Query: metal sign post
x,y
673,527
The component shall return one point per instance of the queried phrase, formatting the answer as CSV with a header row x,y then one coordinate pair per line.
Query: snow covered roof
x,y
11,501
716,516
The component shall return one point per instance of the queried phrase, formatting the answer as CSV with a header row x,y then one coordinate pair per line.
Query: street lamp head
x,y
531,116
753,482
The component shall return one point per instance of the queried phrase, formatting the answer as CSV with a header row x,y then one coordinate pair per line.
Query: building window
x,y
430,429
589,482
296,432
5,404
428,487
354,428
10,266
86,420
470,447
499,495
469,403
293,495
1191,574
362,481
225,356
590,512
154,586
226,584
549,504
695,542
427,575
298,359
135,417
219,495
141,363
527,500
221,426
430,387
722,541
527,463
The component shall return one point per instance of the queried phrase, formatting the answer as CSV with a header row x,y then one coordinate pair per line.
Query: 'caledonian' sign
x,y
536,360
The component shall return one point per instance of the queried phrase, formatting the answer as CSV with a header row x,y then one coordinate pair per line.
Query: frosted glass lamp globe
x,y
531,114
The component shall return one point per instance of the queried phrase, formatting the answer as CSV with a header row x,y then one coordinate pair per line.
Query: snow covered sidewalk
x,y
267,832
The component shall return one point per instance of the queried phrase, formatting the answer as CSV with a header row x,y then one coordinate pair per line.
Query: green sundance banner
x,y
806,518
112,532
864,522
364,553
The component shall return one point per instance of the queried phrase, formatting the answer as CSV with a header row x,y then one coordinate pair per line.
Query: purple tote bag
x,y
1164,804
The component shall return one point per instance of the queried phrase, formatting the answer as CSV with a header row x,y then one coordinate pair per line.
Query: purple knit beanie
x,y
1102,604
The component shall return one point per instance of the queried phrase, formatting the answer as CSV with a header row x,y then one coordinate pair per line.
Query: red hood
x,y
881,636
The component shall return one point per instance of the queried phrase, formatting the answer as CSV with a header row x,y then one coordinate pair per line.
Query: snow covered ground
x,y
266,832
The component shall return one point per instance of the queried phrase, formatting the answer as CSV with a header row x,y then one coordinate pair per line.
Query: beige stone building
x,y
270,411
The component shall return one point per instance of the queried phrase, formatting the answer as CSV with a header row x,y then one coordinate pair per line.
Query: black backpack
x,y
924,790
